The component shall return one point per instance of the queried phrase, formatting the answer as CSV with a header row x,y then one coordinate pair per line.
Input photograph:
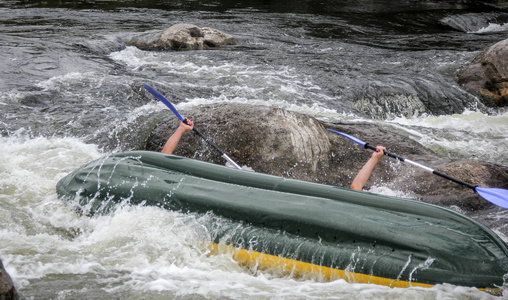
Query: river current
x,y
71,92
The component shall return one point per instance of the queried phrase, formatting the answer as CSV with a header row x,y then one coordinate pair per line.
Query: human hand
x,y
379,153
187,126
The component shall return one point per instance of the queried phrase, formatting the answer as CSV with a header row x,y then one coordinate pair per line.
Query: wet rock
x,y
182,37
488,74
7,290
215,38
105,45
276,141
294,145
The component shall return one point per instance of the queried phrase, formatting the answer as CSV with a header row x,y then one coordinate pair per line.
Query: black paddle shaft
x,y
208,140
368,146
211,143
455,180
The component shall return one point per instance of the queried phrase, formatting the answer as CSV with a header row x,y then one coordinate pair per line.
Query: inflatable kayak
x,y
301,228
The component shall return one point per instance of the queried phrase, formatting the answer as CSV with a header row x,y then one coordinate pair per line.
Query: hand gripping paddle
x,y
496,196
183,119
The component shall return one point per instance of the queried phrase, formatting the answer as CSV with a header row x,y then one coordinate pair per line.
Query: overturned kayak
x,y
298,227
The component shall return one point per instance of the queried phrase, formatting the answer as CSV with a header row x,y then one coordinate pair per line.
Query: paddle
x,y
183,119
496,196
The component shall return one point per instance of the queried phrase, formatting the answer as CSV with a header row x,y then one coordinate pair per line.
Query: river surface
x,y
70,92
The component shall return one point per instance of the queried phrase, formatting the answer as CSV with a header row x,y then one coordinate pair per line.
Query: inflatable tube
x,y
301,227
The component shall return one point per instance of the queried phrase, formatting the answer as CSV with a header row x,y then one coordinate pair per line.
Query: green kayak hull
x,y
301,227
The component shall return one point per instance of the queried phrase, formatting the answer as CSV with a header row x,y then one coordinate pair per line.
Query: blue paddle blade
x,y
496,196
165,101
356,140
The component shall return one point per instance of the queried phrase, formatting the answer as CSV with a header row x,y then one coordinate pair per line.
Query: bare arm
x,y
364,174
172,142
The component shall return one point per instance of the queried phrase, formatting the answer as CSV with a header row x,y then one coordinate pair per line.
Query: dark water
x,y
71,92
374,59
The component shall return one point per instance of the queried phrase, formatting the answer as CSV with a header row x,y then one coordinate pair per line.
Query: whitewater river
x,y
70,92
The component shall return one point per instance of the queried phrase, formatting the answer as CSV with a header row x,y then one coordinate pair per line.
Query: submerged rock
x,y
182,37
473,22
294,145
409,97
7,290
488,74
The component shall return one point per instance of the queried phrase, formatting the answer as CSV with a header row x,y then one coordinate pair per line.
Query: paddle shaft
x,y
211,143
496,196
368,146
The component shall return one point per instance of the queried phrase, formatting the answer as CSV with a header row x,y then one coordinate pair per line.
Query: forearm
x,y
364,174
172,142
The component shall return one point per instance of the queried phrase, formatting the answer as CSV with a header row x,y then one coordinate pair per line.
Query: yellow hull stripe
x,y
302,269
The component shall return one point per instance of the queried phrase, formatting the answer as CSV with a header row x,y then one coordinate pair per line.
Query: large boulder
x,y
182,37
294,145
488,74
7,290
275,142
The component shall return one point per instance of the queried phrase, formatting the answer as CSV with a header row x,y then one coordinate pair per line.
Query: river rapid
x,y
71,92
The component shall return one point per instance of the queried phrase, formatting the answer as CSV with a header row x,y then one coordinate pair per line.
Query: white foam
x,y
383,190
34,221
32,162
470,135
144,250
279,86
467,121
314,109
66,80
136,58
492,27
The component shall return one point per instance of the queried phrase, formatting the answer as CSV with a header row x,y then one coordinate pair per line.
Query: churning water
x,y
70,92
